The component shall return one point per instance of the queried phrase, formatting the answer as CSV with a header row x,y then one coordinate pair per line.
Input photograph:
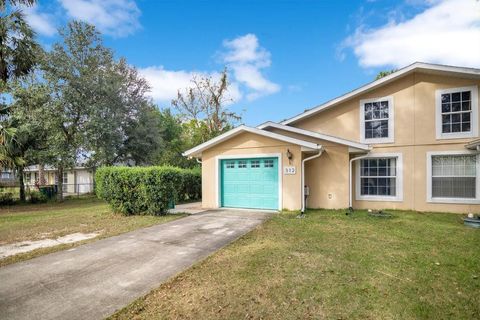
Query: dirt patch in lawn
x,y
26,246
73,221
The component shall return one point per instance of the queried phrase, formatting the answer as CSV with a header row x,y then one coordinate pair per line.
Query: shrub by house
x,y
146,190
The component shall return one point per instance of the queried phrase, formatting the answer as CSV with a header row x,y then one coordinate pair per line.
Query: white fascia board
x,y
317,135
369,86
230,134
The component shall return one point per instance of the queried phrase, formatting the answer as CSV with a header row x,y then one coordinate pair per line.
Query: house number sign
x,y
289,170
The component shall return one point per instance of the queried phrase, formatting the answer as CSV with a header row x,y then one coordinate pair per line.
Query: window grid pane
x,y
456,112
376,119
454,176
378,177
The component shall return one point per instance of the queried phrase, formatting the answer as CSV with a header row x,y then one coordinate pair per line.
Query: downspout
x,y
320,151
350,195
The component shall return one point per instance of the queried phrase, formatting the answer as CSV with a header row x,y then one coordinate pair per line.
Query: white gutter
x,y
320,151
350,193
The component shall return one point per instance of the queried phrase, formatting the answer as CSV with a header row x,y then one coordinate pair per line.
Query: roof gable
x,y
415,67
316,135
234,132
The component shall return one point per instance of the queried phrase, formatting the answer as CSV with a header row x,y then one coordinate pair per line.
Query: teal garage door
x,y
249,183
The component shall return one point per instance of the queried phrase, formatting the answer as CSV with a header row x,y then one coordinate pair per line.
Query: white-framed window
x,y
452,177
5,175
377,120
242,163
255,163
456,113
230,164
379,177
65,177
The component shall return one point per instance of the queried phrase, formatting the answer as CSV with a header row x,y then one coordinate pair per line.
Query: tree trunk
x,y
60,183
22,184
41,175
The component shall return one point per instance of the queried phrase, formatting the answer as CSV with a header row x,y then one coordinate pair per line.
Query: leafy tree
x,y
384,73
74,71
122,115
177,138
99,113
204,105
145,138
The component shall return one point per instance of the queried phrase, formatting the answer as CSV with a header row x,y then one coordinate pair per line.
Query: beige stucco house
x,y
407,141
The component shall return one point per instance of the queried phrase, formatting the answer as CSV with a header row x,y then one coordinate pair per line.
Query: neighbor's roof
x,y
313,134
415,67
230,134
36,167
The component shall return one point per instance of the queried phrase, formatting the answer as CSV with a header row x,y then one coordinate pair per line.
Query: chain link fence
x,y
69,189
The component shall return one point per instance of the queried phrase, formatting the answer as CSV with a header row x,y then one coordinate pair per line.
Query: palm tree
x,y
7,135
17,41
16,157
18,51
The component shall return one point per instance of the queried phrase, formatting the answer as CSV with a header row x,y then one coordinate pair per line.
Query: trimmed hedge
x,y
146,190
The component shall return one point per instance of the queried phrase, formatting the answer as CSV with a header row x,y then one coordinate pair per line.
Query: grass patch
x,y
328,265
52,220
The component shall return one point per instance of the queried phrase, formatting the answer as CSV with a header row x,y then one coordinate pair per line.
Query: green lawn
x,y
332,266
52,220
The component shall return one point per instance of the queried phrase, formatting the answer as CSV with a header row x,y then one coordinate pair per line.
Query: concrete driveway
x,y
94,280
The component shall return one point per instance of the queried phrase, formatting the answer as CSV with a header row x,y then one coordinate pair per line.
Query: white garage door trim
x,y
218,159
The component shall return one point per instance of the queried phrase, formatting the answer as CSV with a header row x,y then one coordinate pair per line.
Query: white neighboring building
x,y
78,180
7,177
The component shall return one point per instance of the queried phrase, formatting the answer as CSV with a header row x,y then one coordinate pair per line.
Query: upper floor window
x,y
376,120
457,113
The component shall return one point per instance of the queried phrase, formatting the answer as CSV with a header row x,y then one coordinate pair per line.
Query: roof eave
x,y
417,66
316,135
197,151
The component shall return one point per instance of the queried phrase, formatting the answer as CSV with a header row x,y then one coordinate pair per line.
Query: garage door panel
x,y
250,183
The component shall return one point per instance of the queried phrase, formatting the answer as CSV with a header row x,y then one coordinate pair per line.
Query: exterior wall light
x,y
289,154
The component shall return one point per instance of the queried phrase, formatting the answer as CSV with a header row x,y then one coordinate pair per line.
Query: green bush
x,y
192,185
6,198
146,190
37,197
